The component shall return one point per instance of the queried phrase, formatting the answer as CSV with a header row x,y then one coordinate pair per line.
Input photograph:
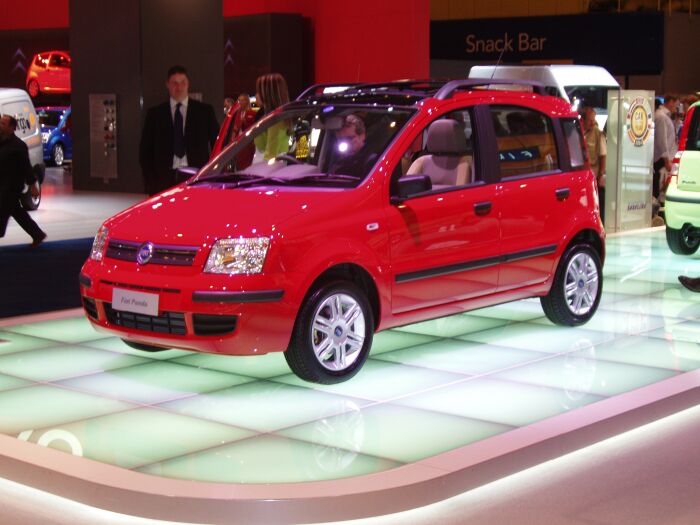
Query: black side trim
x,y
670,198
84,280
267,296
473,265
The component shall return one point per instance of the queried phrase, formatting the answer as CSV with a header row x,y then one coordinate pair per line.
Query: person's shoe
x,y
692,284
657,220
38,240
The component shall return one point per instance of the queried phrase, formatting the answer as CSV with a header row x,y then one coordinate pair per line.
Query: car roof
x,y
13,92
410,92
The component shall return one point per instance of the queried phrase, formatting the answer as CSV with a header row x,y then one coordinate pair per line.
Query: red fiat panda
x,y
385,205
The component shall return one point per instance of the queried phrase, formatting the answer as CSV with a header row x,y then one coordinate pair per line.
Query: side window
x,y
525,141
41,60
444,151
59,61
574,141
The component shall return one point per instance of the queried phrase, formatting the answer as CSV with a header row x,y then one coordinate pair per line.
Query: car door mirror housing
x,y
411,185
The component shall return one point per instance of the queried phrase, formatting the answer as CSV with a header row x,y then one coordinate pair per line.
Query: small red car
x,y
383,205
49,72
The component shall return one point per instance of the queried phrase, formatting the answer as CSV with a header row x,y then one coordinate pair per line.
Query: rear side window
x,y
693,140
574,141
525,141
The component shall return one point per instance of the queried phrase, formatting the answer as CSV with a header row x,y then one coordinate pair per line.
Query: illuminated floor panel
x,y
427,390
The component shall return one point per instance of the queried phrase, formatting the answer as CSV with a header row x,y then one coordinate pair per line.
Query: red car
x,y
49,72
385,205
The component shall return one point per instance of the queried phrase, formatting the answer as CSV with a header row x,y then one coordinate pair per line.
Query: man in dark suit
x,y
177,133
15,172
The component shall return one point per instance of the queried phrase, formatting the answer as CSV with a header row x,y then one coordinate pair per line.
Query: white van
x,y
17,103
579,85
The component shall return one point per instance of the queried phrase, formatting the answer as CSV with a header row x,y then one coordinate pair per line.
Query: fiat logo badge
x,y
145,253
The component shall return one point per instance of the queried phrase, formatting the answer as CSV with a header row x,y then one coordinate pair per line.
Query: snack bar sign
x,y
507,43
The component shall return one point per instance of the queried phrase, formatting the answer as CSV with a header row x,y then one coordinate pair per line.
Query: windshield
x,y
594,96
322,145
49,118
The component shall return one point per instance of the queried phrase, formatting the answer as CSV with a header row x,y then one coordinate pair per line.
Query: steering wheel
x,y
288,158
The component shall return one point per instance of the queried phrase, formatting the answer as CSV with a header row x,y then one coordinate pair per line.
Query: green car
x,y
683,192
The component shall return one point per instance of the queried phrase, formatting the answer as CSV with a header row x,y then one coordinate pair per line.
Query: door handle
x,y
482,208
562,193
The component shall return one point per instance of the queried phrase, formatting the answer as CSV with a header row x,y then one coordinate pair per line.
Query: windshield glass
x,y
335,145
594,96
49,118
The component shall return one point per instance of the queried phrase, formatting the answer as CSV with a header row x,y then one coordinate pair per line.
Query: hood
x,y
198,214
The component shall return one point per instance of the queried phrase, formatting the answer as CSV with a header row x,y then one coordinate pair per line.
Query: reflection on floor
x,y
445,383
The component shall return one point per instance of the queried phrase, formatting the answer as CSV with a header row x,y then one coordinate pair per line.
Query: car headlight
x,y
98,244
45,137
238,256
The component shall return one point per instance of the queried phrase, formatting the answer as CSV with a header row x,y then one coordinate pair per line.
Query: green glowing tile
x,y
270,459
155,382
631,287
114,344
541,338
580,374
380,381
61,362
263,406
497,401
454,325
461,356
46,406
668,308
626,323
670,354
524,310
687,331
8,382
70,330
260,366
382,430
390,340
137,437
11,342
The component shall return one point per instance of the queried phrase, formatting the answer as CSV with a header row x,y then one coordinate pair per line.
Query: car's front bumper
x,y
681,207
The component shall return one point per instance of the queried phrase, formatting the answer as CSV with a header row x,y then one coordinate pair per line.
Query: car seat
x,y
447,162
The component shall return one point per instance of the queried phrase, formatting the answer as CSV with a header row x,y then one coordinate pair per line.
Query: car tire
x,y
144,347
577,287
33,88
332,335
680,242
29,202
58,155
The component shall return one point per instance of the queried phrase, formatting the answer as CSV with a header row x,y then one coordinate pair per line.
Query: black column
x,y
126,48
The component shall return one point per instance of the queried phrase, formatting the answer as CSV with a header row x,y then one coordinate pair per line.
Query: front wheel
x,y
332,335
681,241
28,201
58,155
576,289
33,88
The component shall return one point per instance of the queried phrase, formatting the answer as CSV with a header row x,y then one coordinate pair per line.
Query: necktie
x,y
178,133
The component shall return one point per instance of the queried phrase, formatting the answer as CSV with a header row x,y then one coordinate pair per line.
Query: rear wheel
x,y
144,347
33,88
332,335
681,241
28,201
577,286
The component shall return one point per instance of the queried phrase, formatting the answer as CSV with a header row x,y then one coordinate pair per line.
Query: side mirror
x,y
411,185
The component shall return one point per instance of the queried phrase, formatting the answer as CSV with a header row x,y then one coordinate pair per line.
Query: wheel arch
x,y
589,236
355,274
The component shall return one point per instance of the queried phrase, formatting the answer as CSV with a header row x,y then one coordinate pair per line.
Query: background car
x,y
49,72
56,133
682,208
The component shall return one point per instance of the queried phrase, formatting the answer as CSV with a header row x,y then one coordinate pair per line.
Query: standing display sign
x,y
630,141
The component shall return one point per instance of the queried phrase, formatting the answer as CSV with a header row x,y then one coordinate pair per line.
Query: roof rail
x,y
447,90
319,89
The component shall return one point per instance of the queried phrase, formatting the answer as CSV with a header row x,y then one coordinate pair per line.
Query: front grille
x,y
166,323
162,254
205,324
90,307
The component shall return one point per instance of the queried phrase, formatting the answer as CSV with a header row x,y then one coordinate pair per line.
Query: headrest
x,y
446,137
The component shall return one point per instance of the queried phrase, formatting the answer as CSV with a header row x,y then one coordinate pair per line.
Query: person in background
x,y
179,132
15,172
665,145
272,92
351,155
597,152
228,105
243,118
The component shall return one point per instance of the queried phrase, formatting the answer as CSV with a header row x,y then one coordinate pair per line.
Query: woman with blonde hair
x,y
272,92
